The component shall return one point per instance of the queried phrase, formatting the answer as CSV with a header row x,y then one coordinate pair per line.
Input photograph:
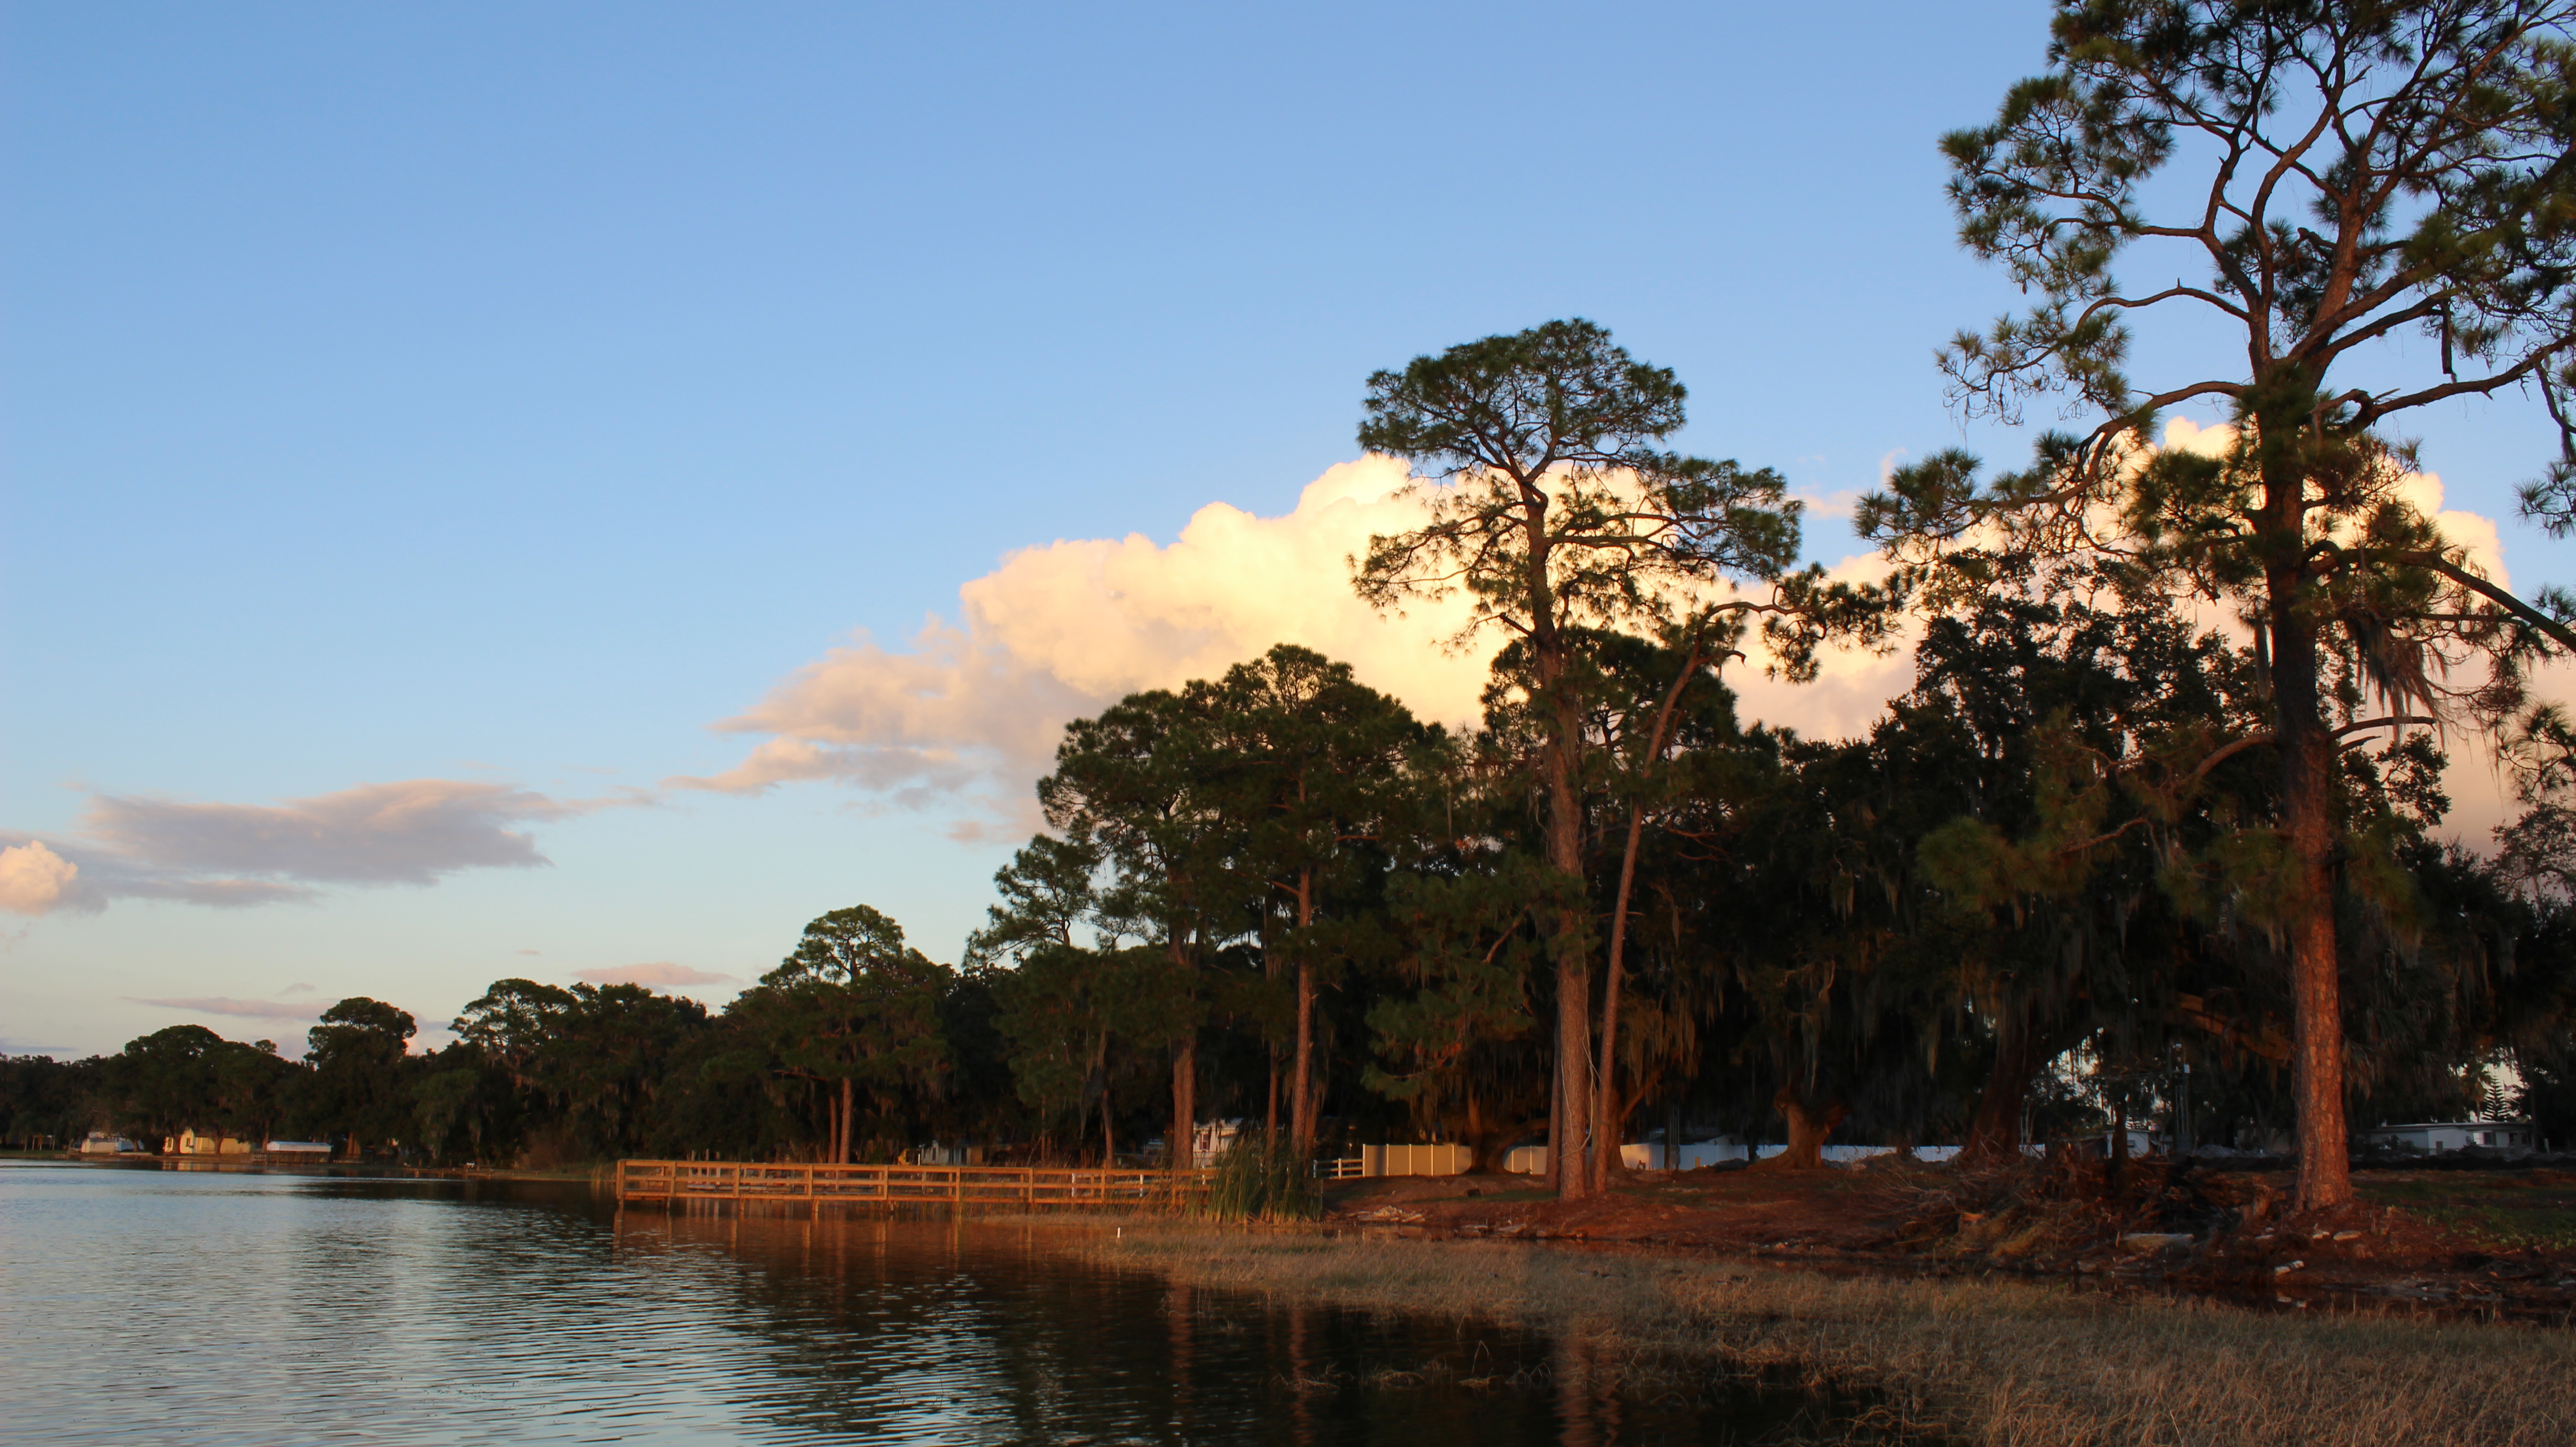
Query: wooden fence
x,y
733,1183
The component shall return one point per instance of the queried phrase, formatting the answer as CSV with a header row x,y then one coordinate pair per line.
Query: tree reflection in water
x,y
278,1310
981,1332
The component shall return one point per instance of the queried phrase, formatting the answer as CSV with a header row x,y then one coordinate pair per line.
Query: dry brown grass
x,y
2007,1362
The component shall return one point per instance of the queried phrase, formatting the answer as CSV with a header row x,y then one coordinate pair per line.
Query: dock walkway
x,y
738,1184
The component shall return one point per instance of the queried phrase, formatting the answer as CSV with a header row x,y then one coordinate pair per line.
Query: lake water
x,y
150,1306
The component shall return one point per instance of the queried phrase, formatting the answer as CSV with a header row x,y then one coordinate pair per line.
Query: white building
x,y
2434,1136
1210,1139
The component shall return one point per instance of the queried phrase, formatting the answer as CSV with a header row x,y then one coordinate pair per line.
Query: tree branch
x,y
2556,632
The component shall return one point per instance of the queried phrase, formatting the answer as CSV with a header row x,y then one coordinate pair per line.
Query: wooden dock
x,y
738,1185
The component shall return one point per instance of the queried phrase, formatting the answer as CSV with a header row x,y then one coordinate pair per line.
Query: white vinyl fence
x,y
1650,1156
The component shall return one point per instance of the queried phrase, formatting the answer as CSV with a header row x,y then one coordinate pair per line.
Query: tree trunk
x,y
1270,967
1995,1134
1490,1148
1568,1174
1570,1153
1488,1145
1606,1115
1315,1104
841,1148
1554,1169
2119,1138
1183,1154
1574,1068
1301,1125
2307,785
1095,1086
1605,1121
1808,1127
1185,1104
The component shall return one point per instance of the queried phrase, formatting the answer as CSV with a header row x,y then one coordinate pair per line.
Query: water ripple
x,y
189,1307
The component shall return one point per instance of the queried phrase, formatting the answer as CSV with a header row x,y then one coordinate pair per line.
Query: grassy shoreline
x,y
2003,1361
601,1176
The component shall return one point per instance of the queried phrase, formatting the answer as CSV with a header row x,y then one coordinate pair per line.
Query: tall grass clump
x,y
1257,1181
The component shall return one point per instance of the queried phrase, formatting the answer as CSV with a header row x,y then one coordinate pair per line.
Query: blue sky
x,y
505,396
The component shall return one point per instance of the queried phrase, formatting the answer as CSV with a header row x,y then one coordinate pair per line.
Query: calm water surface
x,y
141,1306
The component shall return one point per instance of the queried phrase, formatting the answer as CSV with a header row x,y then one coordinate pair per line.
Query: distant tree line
x,y
2023,902
355,1085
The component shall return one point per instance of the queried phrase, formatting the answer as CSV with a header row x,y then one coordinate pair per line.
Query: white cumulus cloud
x,y
973,708
33,878
2420,490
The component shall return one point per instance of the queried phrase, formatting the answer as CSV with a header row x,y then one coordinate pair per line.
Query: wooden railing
x,y
1007,1186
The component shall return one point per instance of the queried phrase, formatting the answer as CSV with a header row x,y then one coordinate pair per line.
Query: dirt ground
x,y
2498,1241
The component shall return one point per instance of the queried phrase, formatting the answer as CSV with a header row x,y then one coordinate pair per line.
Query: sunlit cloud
x,y
1839,504
662,973
33,878
2481,793
971,710
2421,490
968,714
1851,687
